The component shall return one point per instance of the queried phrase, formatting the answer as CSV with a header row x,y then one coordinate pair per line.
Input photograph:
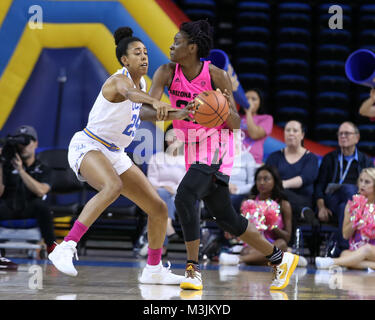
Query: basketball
x,y
212,109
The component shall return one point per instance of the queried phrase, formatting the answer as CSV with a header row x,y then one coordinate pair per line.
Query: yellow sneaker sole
x,y
190,286
290,272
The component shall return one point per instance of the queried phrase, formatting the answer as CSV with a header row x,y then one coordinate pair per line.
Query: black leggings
x,y
36,209
197,185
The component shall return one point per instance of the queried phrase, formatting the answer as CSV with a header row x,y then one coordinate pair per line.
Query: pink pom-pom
x,y
272,214
356,209
251,211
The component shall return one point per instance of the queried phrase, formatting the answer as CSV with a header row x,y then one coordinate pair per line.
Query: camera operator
x,y
24,183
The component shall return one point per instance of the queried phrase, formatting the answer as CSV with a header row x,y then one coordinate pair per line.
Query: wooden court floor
x,y
113,276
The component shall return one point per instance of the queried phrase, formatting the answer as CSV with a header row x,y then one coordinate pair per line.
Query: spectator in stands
x,y
367,108
242,178
298,169
337,178
24,184
165,172
256,126
361,253
268,186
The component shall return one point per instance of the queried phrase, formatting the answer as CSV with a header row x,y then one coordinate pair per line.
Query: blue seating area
x,y
279,46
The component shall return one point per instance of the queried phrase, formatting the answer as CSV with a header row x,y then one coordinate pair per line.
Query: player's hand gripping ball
x,y
211,109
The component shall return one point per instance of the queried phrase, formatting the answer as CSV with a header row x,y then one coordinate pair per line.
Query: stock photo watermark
x,y
36,18
36,280
335,280
336,20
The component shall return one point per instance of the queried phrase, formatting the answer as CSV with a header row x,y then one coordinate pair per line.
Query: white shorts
x,y
81,144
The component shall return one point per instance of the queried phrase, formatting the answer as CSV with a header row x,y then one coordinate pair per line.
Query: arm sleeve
x,y
267,124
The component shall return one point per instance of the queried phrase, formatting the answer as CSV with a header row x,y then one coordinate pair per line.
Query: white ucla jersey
x,y
114,124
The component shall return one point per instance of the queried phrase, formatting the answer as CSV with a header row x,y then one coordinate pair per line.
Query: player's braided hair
x,y
200,33
123,37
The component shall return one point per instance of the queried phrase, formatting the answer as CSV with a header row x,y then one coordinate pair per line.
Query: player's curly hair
x,y
199,32
123,37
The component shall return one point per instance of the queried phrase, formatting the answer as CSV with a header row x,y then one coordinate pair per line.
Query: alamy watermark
x,y
36,19
336,20
335,280
36,280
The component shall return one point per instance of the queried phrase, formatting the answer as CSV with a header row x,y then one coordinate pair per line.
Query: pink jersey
x,y
204,145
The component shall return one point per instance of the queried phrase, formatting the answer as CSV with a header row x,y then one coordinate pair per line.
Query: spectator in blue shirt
x,y
298,169
337,179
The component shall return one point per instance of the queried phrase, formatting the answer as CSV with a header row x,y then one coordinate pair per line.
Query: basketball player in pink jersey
x,y
208,153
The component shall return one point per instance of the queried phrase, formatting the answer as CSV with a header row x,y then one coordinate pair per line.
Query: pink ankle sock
x,y
154,256
76,233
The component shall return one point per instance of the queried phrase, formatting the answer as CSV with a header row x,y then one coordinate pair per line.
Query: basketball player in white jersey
x,y
96,154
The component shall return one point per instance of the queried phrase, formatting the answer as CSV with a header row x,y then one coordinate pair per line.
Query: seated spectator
x,y
165,172
255,125
268,186
298,169
367,108
242,178
337,178
24,184
356,228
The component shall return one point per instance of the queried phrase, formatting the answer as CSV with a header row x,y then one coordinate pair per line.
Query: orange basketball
x,y
212,109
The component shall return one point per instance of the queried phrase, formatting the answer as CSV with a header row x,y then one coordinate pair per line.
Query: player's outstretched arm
x,y
162,78
120,87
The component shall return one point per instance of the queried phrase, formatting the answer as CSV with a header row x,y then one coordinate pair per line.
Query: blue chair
x,y
67,192
259,19
292,98
335,36
255,65
367,21
254,6
294,7
326,132
367,9
294,20
328,143
299,66
22,234
201,14
260,34
292,82
292,50
367,37
198,4
367,131
333,52
332,114
299,35
251,49
331,68
253,80
333,83
295,113
368,147
332,99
